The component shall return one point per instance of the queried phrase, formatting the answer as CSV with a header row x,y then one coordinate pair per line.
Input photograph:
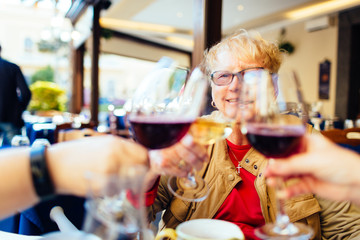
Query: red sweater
x,y
242,206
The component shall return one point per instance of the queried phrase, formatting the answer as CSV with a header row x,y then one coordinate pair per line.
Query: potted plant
x,y
47,98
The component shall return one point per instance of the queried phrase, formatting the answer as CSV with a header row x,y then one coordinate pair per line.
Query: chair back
x,y
72,134
349,136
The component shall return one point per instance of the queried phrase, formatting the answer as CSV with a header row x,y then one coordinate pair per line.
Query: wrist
x,y
42,181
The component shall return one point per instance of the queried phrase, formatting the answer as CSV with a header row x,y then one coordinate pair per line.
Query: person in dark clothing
x,y
15,95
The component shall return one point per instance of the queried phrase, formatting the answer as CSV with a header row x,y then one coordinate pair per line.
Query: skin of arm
x,y
67,163
323,168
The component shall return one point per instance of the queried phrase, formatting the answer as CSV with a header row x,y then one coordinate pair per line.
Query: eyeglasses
x,y
224,78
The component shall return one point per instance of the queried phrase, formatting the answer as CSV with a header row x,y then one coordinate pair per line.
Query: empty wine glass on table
x,y
273,118
115,205
163,109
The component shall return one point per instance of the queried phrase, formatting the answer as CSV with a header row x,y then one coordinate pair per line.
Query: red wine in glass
x,y
275,141
273,116
157,133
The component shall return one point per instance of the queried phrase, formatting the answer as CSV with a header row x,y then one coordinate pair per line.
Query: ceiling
x,y
171,21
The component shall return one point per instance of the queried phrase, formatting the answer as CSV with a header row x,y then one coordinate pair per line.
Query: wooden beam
x,y
94,97
146,42
207,27
127,9
347,84
77,95
76,9
135,47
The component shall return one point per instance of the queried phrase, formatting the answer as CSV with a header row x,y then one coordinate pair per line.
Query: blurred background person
x,y
15,95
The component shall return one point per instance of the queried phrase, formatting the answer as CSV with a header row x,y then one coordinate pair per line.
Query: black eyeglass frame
x,y
238,74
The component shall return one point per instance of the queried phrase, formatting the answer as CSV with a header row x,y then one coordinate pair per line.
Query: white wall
x,y
311,49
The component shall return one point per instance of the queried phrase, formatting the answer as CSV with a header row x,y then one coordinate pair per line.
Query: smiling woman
x,y
234,173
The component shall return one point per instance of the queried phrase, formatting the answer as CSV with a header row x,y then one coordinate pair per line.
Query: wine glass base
x,y
294,231
195,191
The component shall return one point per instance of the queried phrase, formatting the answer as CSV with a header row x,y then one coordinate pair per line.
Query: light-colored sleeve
x,y
339,220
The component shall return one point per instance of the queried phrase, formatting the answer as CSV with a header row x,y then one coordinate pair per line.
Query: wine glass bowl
x,y
273,118
115,204
206,130
164,131
163,107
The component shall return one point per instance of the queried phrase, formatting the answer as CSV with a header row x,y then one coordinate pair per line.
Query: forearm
x,y
16,189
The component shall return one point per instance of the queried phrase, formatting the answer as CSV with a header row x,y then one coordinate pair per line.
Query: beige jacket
x,y
329,220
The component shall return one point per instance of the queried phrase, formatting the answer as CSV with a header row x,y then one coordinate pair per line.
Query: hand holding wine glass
x,y
273,119
164,107
205,130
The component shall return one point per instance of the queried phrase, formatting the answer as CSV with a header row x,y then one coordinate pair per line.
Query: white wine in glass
x,y
207,131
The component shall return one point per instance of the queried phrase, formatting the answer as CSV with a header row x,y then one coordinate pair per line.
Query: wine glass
x,y
115,205
205,130
160,115
162,111
273,118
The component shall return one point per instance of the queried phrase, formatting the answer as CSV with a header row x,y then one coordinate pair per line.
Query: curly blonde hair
x,y
245,46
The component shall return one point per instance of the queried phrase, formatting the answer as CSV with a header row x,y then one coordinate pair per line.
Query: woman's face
x,y
226,98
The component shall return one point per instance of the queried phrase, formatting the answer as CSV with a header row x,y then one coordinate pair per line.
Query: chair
x,y
67,126
72,134
59,127
349,138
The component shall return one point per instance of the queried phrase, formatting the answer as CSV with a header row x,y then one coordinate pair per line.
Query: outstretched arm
x,y
67,164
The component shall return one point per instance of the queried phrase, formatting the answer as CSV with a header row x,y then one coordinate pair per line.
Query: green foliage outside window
x,y
47,96
45,74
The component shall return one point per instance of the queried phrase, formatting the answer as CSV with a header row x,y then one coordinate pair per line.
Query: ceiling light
x,y
116,23
321,8
240,7
65,36
75,35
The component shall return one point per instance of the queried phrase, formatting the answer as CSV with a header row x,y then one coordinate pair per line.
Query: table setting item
x,y
202,229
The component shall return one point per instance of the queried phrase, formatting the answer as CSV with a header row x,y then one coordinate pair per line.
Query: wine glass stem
x,y
190,179
282,219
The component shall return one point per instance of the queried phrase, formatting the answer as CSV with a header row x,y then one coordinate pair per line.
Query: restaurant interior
x,y
100,50
119,38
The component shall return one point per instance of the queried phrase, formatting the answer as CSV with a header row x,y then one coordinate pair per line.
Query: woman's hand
x,y
177,160
324,168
